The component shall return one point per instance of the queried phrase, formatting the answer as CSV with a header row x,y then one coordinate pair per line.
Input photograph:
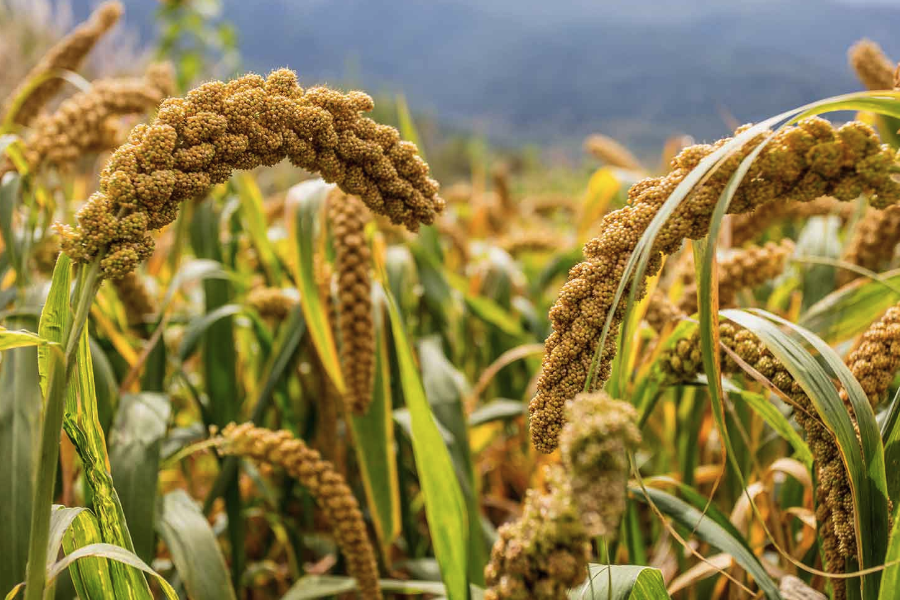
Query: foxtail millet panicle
x,y
746,227
86,122
271,303
197,141
132,292
323,482
595,442
834,498
875,359
746,268
66,55
800,163
872,243
503,189
661,311
348,217
532,240
543,553
611,152
874,69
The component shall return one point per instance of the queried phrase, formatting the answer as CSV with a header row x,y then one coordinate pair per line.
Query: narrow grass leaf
x,y
195,551
20,430
220,363
91,576
869,434
762,406
196,331
19,339
254,218
500,409
847,311
621,582
306,200
82,425
10,185
445,388
707,529
312,587
445,505
135,441
55,315
373,436
114,553
408,126
890,579
866,471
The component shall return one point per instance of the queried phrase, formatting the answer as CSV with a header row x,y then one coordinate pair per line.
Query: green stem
x,y
36,572
88,282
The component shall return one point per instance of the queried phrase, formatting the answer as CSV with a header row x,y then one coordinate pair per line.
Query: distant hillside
x,y
552,71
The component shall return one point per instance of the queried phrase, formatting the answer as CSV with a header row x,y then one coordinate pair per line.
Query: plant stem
x,y
87,284
51,426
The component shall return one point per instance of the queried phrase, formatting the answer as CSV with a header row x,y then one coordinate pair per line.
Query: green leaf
x,y
484,308
819,237
621,582
82,425
60,520
306,200
90,576
20,430
890,435
311,587
710,531
890,579
283,349
445,505
18,339
865,465
196,331
194,549
445,388
10,184
254,218
115,553
135,441
373,436
220,368
55,315
408,125
777,421
500,409
847,312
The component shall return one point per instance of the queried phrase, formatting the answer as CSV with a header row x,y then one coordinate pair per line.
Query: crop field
x,y
251,347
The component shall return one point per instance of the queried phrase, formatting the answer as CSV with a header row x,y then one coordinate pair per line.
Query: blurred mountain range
x,y
552,71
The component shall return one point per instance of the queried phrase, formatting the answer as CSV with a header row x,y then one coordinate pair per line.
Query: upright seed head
x,y
348,217
611,152
874,69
